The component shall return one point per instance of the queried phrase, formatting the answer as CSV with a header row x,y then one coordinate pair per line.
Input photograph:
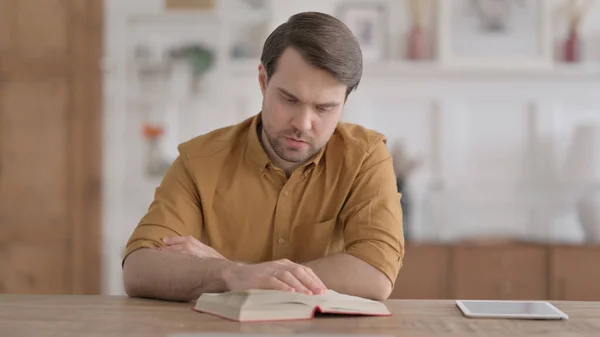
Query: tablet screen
x,y
511,308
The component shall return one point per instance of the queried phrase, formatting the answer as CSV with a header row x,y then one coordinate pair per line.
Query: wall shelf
x,y
426,69
391,69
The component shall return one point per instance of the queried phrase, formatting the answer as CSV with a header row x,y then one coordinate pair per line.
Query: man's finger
x,y
308,279
291,280
317,280
274,283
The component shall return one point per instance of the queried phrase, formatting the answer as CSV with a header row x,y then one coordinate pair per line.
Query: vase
x,y
572,46
417,44
588,209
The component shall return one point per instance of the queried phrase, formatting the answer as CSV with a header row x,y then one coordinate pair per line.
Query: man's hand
x,y
278,275
189,245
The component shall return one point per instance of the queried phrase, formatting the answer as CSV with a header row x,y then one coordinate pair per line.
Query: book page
x,y
333,296
263,297
334,302
260,298
274,297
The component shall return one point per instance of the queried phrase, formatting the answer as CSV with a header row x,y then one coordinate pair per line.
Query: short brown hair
x,y
324,41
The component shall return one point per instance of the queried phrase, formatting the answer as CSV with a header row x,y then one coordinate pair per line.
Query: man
x,y
290,199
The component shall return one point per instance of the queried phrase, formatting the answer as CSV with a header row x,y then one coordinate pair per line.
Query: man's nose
x,y
302,120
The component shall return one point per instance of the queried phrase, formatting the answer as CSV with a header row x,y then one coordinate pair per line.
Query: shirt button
x,y
285,193
280,240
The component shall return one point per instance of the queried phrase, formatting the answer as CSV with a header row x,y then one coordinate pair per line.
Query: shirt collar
x,y
258,154
255,150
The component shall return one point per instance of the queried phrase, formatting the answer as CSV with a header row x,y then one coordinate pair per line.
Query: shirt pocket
x,y
315,240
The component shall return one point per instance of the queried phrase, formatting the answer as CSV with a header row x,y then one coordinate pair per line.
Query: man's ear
x,y
262,78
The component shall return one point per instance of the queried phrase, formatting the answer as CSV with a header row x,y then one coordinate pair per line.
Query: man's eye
x,y
322,109
290,100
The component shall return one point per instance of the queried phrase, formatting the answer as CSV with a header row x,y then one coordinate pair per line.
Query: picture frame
x,y
369,23
474,34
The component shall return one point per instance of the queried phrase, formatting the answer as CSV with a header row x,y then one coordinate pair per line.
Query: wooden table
x,y
87,316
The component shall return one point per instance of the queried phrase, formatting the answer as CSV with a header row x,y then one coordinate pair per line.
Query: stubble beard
x,y
290,155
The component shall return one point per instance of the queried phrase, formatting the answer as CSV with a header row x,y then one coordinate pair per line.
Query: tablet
x,y
510,309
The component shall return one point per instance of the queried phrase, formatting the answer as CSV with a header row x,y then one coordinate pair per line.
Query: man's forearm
x,y
161,275
350,275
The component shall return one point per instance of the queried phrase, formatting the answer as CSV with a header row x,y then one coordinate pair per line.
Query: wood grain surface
x,y
87,316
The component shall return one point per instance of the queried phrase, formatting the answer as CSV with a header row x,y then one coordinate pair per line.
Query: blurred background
x,y
491,109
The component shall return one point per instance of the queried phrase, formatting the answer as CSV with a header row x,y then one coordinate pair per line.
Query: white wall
x,y
493,142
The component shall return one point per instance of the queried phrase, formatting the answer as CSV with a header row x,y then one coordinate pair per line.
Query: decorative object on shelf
x,y
171,39
163,81
159,68
242,50
368,21
190,4
150,69
583,175
495,33
198,57
576,11
494,15
171,55
572,46
418,48
404,166
156,164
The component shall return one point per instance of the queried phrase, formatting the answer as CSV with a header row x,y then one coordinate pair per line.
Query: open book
x,y
274,305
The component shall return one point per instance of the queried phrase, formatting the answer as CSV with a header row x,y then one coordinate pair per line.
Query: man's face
x,y
301,107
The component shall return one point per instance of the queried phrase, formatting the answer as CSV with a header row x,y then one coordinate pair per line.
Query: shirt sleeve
x,y
175,211
372,215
